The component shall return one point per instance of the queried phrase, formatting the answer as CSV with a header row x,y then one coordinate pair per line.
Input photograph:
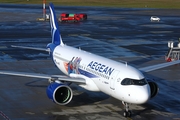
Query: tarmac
x,y
115,33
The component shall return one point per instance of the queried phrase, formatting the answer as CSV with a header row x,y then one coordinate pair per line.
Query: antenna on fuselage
x,y
125,62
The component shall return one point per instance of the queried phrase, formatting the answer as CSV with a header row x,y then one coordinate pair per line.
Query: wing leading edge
x,y
158,66
44,76
32,48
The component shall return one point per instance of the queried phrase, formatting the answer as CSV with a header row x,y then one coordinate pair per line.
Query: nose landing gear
x,y
126,113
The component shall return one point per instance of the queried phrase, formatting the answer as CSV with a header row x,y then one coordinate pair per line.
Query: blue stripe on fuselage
x,y
87,74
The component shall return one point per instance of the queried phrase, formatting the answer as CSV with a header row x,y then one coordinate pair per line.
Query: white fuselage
x,y
101,74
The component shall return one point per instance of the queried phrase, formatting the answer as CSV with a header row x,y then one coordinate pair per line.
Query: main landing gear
x,y
126,113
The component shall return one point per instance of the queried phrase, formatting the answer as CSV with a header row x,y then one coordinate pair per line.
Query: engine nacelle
x,y
154,88
59,93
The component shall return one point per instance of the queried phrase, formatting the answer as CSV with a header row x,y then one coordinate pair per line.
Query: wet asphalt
x,y
115,33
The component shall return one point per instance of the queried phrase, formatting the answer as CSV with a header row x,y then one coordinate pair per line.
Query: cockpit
x,y
129,81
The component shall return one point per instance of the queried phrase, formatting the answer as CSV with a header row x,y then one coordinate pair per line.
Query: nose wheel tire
x,y
127,113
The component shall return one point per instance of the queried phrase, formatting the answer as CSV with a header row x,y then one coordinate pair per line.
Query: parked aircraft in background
x,y
92,72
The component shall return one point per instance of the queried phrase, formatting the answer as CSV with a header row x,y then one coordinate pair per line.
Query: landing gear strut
x,y
126,113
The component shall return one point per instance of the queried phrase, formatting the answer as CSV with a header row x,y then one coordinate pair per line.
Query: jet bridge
x,y
173,52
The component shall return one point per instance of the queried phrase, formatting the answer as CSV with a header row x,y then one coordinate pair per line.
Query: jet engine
x,y
59,93
153,87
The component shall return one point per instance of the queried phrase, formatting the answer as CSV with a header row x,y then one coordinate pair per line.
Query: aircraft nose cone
x,y
144,95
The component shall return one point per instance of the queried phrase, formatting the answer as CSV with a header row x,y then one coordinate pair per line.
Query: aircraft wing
x,y
32,48
45,76
158,66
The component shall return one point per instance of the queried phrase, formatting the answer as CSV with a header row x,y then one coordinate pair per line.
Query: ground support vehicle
x,y
65,17
173,52
154,18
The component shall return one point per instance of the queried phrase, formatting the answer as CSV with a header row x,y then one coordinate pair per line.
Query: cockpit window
x,y
129,81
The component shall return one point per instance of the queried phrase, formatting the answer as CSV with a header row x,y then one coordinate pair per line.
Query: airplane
x,y
93,73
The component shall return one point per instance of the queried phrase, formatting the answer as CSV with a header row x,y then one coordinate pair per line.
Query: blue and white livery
x,y
92,72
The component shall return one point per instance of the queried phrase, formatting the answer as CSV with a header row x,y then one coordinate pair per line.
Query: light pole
x,y
44,9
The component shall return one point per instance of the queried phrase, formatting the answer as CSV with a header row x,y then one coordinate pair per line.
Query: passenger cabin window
x,y
129,81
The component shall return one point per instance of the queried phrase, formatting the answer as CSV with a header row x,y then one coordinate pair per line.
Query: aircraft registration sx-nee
x,y
92,72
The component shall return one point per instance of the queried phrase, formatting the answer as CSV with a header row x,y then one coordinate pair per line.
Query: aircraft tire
x,y
127,113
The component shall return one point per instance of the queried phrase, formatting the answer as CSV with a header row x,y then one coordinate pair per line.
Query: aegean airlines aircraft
x,y
93,73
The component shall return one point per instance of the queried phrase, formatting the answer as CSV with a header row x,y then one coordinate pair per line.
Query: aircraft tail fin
x,y
55,32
